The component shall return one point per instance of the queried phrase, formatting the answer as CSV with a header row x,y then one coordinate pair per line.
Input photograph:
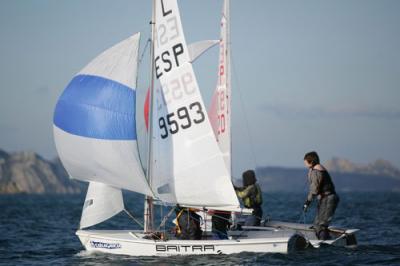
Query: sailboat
x,y
96,139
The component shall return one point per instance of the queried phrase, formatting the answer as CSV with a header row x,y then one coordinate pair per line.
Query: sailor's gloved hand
x,y
306,205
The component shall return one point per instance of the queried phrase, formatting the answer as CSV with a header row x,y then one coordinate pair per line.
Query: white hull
x,y
132,243
339,236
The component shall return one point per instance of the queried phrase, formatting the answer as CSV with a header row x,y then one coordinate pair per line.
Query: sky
x,y
307,75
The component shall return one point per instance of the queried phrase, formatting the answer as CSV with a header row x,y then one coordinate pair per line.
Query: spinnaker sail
x,y
94,121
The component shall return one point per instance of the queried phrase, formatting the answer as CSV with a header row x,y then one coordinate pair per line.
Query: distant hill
x,y
347,176
27,172
380,167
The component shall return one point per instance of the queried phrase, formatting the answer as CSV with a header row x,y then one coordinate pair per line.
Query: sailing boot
x,y
323,235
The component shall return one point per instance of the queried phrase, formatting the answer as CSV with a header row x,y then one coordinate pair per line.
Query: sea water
x,y
40,230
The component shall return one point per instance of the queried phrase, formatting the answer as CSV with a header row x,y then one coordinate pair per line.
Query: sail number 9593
x,y
184,115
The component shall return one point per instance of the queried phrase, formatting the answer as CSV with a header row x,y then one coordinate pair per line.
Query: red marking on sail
x,y
213,114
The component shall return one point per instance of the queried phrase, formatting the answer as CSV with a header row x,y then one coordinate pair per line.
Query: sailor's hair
x,y
249,178
312,158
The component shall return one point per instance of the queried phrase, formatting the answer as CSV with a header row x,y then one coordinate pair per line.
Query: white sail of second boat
x,y
220,109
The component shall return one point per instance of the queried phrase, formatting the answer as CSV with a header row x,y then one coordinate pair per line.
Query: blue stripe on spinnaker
x,y
96,107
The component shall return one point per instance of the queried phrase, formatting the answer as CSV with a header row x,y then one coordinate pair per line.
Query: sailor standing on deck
x,y
322,187
251,196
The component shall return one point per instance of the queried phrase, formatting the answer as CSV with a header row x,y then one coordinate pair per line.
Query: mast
x,y
229,86
148,205
228,76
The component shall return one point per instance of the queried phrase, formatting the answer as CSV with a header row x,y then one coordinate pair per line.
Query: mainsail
x,y
188,167
94,121
220,109
195,51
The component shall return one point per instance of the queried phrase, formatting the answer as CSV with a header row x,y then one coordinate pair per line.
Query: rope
x,y
205,222
161,215
133,218
164,220
302,217
305,185
303,213
140,224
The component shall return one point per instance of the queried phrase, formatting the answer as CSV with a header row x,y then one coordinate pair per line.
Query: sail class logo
x,y
98,244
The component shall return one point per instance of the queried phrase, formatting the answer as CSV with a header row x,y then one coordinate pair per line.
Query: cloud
x,y
296,111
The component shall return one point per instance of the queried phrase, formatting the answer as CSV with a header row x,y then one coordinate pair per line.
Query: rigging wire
x,y
254,157
164,220
141,225
244,113
133,218
252,150
302,217
248,126
161,216
144,50
140,127
304,214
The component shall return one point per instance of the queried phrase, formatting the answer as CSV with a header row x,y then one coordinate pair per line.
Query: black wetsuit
x,y
321,185
220,225
189,225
